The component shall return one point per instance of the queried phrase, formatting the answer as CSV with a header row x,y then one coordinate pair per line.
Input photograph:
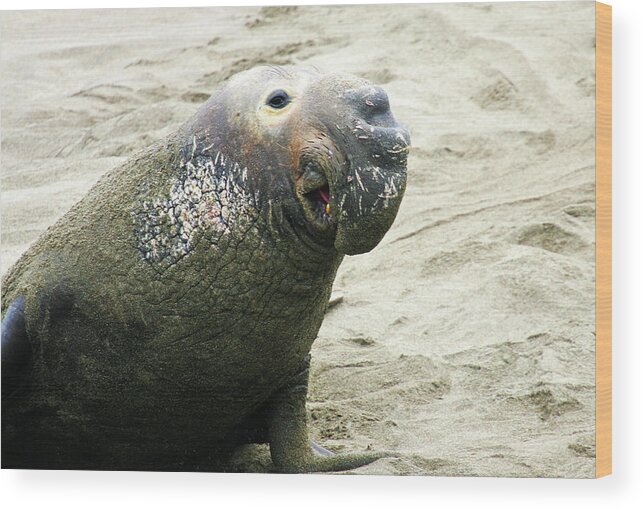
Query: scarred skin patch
x,y
206,199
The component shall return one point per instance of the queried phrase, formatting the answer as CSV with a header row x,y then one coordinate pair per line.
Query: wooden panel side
x,y
603,239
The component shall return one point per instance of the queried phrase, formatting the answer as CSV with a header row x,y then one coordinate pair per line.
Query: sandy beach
x,y
465,340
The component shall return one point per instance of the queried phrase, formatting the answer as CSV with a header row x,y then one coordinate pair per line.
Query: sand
x,y
465,341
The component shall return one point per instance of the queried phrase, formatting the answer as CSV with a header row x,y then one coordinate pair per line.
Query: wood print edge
x,y
603,240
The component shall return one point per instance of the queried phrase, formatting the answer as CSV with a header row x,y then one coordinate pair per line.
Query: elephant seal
x,y
167,319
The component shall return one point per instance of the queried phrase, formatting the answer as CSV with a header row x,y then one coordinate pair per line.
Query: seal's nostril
x,y
371,105
376,100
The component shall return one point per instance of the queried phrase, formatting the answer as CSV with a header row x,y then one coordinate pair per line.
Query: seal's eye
x,y
278,99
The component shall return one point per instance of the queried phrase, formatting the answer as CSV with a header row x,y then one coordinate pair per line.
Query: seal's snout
x,y
375,126
374,181
351,162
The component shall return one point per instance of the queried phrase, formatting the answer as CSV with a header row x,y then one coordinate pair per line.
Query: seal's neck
x,y
296,243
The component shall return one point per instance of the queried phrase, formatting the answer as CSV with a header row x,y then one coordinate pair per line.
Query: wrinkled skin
x,y
168,318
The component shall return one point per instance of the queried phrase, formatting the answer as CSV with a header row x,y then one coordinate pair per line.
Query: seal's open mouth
x,y
320,200
316,195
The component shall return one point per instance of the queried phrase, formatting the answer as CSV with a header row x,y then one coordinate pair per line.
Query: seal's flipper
x,y
290,449
16,351
320,450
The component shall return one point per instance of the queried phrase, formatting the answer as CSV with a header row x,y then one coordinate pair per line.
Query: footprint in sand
x,y
580,210
500,94
271,14
379,385
380,76
550,237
